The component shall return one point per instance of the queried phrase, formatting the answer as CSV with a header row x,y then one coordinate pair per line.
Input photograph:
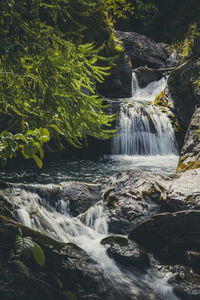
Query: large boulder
x,y
190,153
182,96
125,251
169,235
118,83
131,197
147,75
142,51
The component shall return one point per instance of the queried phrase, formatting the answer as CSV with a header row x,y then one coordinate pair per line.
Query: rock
x,y
186,284
141,50
75,197
169,235
182,192
190,153
126,252
147,75
118,84
131,197
193,260
183,96
68,269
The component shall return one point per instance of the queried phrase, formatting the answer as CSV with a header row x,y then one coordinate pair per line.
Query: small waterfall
x,y
143,128
86,231
149,92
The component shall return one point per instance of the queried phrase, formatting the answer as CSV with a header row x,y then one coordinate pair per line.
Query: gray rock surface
x,y
142,51
125,251
169,235
190,153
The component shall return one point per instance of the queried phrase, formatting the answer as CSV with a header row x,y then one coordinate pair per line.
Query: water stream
x,y
146,141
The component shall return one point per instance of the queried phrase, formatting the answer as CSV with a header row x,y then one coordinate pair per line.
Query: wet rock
x,y
183,96
125,251
169,235
71,197
67,268
147,75
190,153
131,197
193,260
186,283
141,50
118,84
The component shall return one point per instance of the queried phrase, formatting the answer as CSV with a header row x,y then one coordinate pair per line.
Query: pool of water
x,y
90,170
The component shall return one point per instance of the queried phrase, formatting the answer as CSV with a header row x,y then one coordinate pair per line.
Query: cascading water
x,y
144,131
86,231
143,128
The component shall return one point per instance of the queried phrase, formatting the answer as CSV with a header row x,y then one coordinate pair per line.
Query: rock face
x,y
147,75
190,153
183,96
131,196
169,235
125,251
118,84
134,196
142,51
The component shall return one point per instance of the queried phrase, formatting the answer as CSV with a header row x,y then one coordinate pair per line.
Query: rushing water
x,y
146,141
86,231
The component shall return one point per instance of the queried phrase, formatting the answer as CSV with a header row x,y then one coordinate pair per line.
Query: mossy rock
x,y
160,100
183,167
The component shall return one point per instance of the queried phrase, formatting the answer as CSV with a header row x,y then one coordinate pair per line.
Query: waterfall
x,y
148,93
143,128
35,208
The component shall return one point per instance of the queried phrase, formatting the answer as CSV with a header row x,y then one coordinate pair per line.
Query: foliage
x,y
25,246
48,77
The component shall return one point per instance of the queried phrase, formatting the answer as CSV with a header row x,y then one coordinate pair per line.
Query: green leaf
x,y
39,146
56,128
38,255
69,295
44,132
37,160
23,245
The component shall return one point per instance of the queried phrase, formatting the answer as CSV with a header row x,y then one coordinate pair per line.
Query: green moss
x,y
182,167
174,122
160,100
111,201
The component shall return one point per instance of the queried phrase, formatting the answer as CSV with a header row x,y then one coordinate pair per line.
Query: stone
x,y
118,83
125,251
169,235
147,75
193,260
190,153
141,50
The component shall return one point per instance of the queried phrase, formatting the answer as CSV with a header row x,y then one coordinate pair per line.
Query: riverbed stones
x,y
125,251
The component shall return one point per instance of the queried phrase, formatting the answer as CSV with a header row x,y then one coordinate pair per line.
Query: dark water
x,y
89,170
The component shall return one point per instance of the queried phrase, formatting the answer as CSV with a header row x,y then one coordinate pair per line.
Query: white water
x,y
143,128
149,92
153,136
86,231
